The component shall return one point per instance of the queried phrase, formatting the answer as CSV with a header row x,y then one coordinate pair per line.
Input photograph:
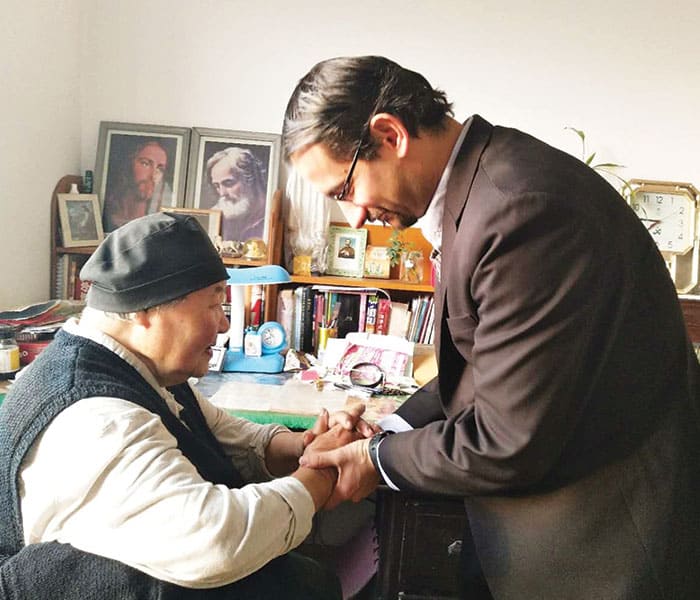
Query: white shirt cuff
x,y
396,424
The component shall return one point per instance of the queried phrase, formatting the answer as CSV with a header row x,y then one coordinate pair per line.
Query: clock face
x,y
669,218
272,337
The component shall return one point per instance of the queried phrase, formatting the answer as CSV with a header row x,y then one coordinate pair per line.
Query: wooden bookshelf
x,y
379,235
274,241
691,312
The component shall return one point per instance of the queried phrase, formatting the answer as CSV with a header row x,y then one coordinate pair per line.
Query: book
x,y
44,313
426,330
285,312
371,316
400,319
60,287
348,314
362,316
383,316
304,315
295,340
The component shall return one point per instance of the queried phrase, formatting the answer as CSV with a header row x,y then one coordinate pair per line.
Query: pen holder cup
x,y
323,334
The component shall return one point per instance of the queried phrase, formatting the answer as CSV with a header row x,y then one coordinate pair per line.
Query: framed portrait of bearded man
x,y
235,172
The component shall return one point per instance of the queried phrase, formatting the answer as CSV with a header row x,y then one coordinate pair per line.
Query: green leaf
x,y
589,160
578,132
606,165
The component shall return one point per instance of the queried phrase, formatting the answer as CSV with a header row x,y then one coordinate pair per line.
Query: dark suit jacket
x,y
566,408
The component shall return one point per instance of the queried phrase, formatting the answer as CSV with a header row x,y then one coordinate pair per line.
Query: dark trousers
x,y
55,571
473,584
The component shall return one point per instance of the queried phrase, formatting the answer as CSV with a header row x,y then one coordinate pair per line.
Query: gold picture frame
x,y
80,218
346,251
209,219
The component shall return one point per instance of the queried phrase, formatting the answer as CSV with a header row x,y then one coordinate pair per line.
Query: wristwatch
x,y
373,447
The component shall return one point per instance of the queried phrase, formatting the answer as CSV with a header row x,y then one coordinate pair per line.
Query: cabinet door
x,y
420,545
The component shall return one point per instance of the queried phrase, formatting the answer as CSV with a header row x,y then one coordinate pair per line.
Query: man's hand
x,y
349,420
357,477
332,439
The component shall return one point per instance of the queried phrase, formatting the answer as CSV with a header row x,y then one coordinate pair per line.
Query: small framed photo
x,y
79,215
139,169
377,262
235,172
209,219
346,251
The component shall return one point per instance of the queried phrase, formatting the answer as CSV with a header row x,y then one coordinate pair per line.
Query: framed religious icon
x,y
235,172
139,170
346,251
79,215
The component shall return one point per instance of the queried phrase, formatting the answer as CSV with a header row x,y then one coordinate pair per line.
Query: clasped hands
x,y
340,441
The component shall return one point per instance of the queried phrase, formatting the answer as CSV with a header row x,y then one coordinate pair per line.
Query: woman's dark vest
x,y
69,369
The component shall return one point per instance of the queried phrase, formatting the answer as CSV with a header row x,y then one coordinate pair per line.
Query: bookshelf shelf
x,y
75,250
385,284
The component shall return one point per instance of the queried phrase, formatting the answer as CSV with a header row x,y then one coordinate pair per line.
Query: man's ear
x,y
390,132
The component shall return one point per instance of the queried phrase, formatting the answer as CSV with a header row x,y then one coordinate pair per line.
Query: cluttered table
x,y
282,398
287,399
278,398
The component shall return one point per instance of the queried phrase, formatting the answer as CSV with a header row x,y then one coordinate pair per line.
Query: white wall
x,y
39,135
627,72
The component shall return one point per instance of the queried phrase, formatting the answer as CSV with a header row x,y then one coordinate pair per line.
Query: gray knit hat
x,y
150,261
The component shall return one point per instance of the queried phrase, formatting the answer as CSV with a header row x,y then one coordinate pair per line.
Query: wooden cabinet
x,y
420,544
691,312
417,315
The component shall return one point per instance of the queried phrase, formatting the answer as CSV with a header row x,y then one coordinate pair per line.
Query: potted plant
x,y
603,167
407,257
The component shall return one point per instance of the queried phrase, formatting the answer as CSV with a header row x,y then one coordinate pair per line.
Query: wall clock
x,y
671,213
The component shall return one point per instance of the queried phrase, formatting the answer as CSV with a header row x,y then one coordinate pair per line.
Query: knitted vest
x,y
72,368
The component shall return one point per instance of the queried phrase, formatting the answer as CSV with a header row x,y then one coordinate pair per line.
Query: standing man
x,y
566,408
238,178
118,479
143,190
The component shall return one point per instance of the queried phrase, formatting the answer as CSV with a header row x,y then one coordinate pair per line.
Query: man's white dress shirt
x,y
430,225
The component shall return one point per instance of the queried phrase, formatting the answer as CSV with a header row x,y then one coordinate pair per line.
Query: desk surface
x,y
279,398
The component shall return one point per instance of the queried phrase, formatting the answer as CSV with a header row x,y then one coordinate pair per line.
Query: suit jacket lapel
x,y
458,189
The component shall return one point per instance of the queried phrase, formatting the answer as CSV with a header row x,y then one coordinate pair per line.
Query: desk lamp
x,y
272,335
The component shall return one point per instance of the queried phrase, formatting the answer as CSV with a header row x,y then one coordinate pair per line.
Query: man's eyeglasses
x,y
340,196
